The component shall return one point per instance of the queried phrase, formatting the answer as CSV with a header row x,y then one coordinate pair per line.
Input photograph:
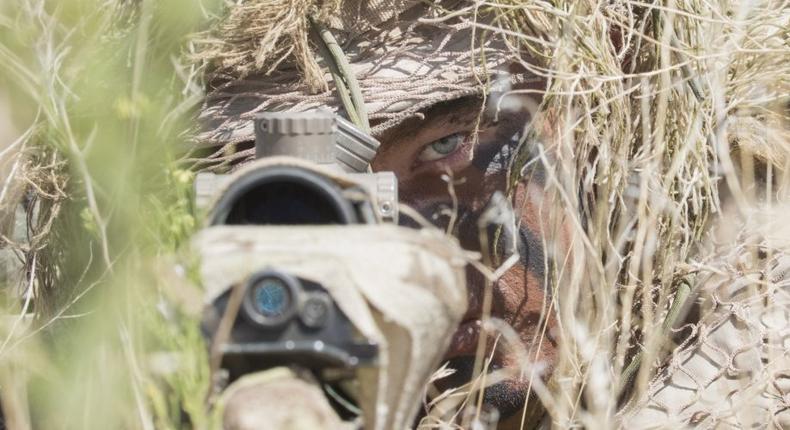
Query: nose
x,y
434,211
441,213
490,229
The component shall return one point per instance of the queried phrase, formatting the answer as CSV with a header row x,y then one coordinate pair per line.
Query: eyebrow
x,y
452,111
456,108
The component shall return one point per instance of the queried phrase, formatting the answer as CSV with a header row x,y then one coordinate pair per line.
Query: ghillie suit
x,y
653,118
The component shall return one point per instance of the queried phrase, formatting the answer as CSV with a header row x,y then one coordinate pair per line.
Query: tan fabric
x,y
278,399
402,288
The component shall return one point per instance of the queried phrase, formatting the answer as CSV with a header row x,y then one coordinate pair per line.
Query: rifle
x,y
320,310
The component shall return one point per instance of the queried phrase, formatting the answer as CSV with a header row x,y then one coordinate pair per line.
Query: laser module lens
x,y
272,298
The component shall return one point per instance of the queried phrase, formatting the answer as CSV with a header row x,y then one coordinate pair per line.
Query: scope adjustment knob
x,y
296,123
306,135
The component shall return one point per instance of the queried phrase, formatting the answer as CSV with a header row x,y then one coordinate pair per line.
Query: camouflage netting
x,y
732,367
403,66
653,112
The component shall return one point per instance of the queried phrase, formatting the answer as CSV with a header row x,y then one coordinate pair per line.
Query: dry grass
x,y
103,95
259,35
650,112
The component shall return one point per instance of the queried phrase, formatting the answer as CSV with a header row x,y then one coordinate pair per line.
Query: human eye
x,y
442,148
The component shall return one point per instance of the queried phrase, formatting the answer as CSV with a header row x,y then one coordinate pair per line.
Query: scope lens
x,y
283,195
271,297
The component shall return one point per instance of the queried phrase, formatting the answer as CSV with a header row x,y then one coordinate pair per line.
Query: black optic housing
x,y
313,331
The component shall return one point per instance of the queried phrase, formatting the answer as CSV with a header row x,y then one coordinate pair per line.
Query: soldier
x,y
449,131
451,100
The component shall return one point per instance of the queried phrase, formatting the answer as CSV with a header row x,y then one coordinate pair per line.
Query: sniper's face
x,y
448,173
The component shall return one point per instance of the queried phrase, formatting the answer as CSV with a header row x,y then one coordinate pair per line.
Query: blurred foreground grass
x,y
95,100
